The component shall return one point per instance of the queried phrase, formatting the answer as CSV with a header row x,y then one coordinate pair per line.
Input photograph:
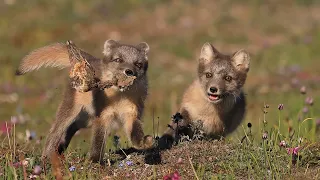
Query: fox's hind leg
x,y
80,122
64,127
58,132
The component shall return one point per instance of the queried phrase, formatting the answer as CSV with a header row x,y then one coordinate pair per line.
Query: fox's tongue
x,y
213,97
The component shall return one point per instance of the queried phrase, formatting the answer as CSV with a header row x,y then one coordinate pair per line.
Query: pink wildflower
x,y
37,170
173,176
5,127
280,107
265,135
303,90
282,143
309,101
17,164
293,150
180,160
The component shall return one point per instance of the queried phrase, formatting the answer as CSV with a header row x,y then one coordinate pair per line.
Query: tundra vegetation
x,y
279,138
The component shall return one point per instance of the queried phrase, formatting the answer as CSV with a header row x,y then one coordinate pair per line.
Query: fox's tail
x,y
54,55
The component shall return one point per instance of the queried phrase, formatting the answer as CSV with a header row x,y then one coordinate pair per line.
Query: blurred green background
x,y
283,38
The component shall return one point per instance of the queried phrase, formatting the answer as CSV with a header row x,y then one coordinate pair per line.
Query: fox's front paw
x,y
146,143
165,142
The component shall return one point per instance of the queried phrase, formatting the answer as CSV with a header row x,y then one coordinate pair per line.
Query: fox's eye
x,y
208,75
228,78
139,65
118,60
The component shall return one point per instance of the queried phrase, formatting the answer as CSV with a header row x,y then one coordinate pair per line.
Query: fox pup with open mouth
x,y
105,109
215,98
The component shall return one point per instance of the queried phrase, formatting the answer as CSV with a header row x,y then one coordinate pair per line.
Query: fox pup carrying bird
x,y
107,108
215,98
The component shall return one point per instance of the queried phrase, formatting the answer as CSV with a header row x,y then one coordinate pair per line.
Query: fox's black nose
x,y
129,72
213,89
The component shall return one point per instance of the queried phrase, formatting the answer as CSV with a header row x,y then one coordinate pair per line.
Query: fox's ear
x,y
143,46
208,53
108,45
241,60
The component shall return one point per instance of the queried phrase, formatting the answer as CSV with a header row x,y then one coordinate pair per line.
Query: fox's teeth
x,y
121,89
213,97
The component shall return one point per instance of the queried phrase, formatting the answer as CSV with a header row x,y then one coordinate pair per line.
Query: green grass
x,y
278,36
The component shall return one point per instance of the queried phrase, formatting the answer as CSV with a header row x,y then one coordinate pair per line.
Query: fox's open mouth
x,y
214,97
